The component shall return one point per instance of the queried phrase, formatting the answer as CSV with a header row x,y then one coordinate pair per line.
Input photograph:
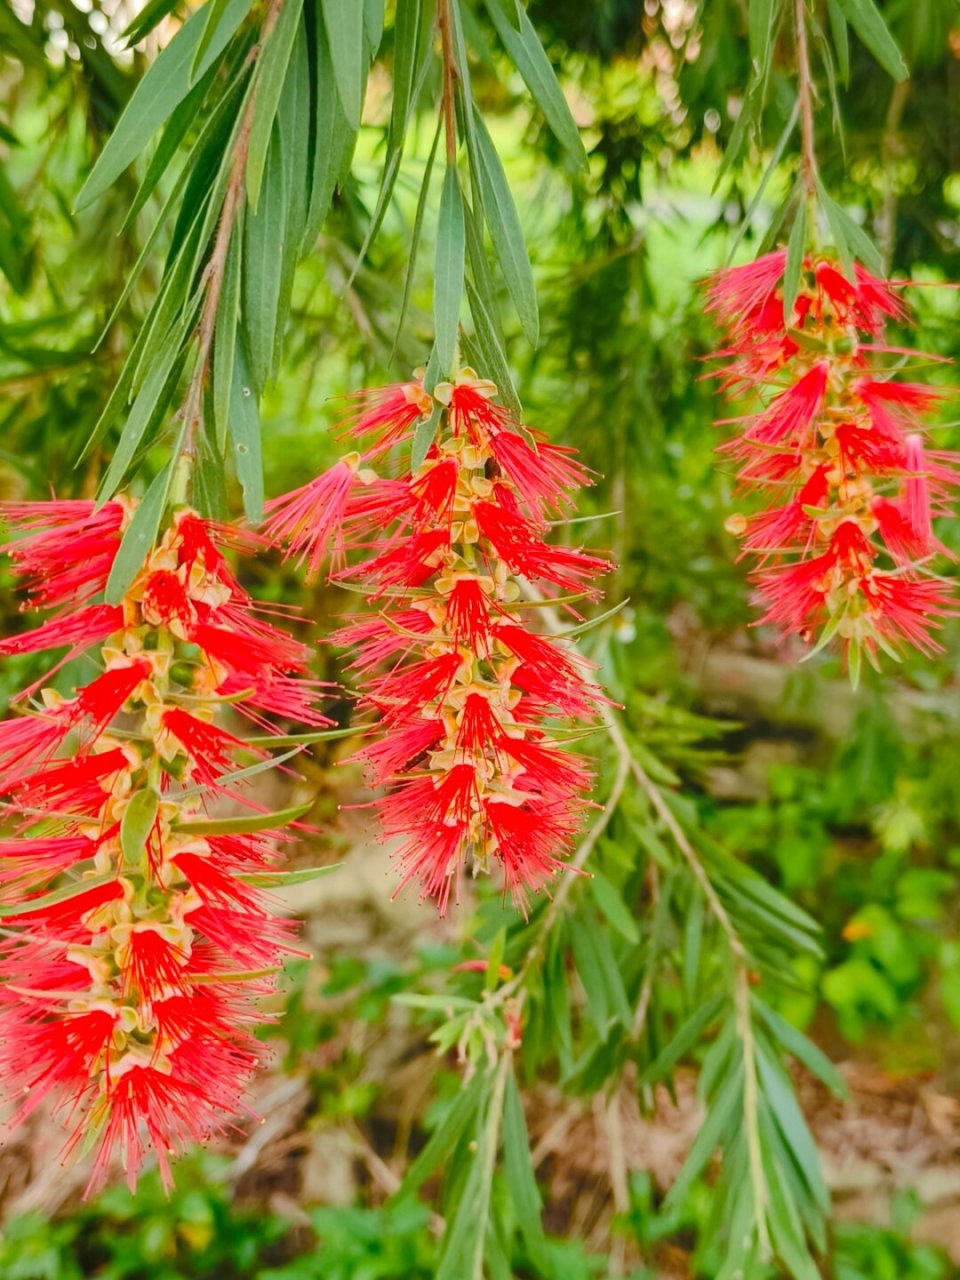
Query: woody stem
x,y
216,266
805,92
447,105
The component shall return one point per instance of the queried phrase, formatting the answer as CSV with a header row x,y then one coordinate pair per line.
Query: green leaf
x,y
406,41
285,879
147,20
271,72
345,34
841,38
246,823
851,238
140,536
518,1167
526,51
333,139
215,11
449,269
174,132
803,1049
760,24
494,362
373,24
442,1142
293,122
507,235
423,437
155,390
166,83
414,246
723,1119
773,166
244,425
867,22
796,249
136,825
592,976
73,890
613,907
786,1111
689,1035
263,241
225,335
511,11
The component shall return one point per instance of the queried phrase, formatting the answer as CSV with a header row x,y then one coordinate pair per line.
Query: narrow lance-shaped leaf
x,y
841,38
868,23
244,419
448,274
796,248
215,12
225,335
524,47
140,536
521,1182
246,824
136,824
139,417
333,139
406,31
343,20
165,84
507,235
262,262
271,73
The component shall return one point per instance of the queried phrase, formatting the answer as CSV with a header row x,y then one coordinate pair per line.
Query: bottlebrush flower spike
x,y
846,545
462,747
132,939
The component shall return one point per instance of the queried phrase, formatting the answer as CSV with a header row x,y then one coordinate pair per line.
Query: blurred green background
x,y
848,802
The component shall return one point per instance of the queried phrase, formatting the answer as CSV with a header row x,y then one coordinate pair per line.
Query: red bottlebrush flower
x,y
207,747
310,517
119,917
469,690
545,478
79,630
388,414
49,576
514,541
846,554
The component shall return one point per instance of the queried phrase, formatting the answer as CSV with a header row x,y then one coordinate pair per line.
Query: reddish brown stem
x,y
216,266
808,155
447,105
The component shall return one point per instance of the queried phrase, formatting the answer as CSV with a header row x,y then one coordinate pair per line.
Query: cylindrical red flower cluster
x,y
128,991
464,688
846,546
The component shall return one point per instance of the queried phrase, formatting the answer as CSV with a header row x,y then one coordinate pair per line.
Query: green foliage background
x,y
846,805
